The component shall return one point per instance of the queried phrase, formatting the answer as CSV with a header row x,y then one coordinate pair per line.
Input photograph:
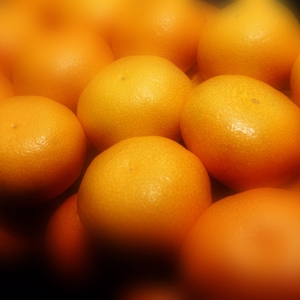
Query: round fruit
x,y
42,150
170,29
246,133
246,246
96,15
260,39
59,65
295,81
133,96
143,193
67,245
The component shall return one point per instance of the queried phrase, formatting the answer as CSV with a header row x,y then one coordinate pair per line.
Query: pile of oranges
x,y
151,149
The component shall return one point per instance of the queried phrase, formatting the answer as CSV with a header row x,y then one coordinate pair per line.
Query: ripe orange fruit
x,y
170,29
98,16
42,150
143,194
59,65
246,133
134,96
246,246
259,39
67,245
6,88
295,80
17,28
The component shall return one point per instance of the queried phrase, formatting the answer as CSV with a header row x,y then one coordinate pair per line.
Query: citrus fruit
x,y
67,245
246,133
17,28
43,148
68,59
259,39
6,88
295,80
143,194
98,16
170,29
133,96
246,246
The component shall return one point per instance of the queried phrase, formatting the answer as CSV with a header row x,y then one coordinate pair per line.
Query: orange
x,y
143,195
246,247
259,39
98,16
42,150
67,245
59,65
134,96
246,133
295,80
170,29
17,28
6,88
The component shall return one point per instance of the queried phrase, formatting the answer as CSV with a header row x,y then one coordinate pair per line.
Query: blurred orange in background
x,y
60,64
67,245
260,39
246,247
170,29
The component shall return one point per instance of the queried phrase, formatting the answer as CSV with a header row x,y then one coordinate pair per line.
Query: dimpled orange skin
x,y
133,96
257,39
42,150
246,133
246,246
60,65
170,29
143,194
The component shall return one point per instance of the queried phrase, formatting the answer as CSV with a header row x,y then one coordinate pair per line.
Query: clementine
x,y
246,133
67,59
294,81
134,96
170,29
143,194
42,150
68,247
246,246
259,39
